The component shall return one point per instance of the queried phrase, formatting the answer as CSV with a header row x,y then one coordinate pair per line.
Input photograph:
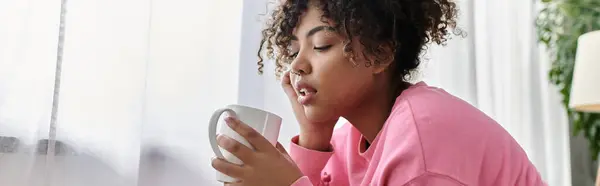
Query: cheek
x,y
348,91
337,99
344,86
341,86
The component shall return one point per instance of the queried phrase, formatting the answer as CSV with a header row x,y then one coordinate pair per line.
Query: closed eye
x,y
320,49
323,48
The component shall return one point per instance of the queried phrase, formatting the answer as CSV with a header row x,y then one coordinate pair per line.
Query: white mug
x,y
265,123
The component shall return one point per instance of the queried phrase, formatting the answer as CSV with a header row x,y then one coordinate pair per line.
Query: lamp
x,y
585,90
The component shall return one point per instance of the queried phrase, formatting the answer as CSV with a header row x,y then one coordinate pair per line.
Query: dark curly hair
x,y
405,25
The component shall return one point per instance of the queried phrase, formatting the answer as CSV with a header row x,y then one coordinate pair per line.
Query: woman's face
x,y
328,84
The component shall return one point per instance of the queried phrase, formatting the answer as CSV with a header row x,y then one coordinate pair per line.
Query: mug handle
x,y
212,129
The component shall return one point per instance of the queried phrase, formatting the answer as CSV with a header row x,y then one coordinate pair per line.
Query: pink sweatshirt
x,y
430,138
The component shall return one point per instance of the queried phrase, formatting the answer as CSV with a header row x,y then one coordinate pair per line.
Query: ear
x,y
385,59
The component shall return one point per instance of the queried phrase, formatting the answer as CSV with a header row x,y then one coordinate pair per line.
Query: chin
x,y
318,114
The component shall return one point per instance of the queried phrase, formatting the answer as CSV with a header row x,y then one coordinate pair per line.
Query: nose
x,y
301,65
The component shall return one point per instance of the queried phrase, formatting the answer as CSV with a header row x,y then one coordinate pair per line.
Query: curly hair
x,y
405,25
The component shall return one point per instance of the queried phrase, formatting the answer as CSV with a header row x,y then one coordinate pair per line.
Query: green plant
x,y
559,25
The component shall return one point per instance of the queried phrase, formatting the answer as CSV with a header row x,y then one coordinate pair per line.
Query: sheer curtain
x,y
139,81
141,77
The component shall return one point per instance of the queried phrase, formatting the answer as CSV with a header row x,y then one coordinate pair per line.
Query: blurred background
x,y
119,92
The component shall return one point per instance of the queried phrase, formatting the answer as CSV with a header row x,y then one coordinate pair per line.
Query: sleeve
x,y
310,162
427,179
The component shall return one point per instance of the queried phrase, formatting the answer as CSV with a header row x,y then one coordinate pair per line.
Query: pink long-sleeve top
x,y
430,138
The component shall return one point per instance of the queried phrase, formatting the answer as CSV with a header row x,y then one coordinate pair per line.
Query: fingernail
x,y
231,121
223,142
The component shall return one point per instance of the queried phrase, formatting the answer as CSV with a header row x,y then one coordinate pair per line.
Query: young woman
x,y
353,59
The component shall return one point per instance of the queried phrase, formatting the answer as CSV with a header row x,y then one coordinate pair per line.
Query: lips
x,y
306,93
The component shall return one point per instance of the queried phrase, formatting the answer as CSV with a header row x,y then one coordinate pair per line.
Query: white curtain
x,y
140,79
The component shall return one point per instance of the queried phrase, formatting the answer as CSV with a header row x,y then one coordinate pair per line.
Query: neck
x,y
370,115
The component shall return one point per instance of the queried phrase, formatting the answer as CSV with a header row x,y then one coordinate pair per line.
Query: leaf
x,y
558,25
595,144
577,126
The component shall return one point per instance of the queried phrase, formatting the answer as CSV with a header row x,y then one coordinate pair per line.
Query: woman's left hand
x,y
265,166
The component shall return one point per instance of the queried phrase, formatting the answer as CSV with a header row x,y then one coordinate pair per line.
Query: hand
x,y
316,136
286,84
265,166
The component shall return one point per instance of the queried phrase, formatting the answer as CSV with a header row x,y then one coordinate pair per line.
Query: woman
x,y
353,59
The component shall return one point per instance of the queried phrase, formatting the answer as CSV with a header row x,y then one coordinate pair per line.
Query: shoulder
x,y
436,102
454,137
434,110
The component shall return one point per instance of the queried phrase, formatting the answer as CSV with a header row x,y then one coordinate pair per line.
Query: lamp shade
x,y
585,89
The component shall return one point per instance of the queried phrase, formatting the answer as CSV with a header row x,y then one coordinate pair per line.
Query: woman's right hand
x,y
316,136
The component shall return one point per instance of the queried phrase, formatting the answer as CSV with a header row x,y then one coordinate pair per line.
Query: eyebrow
x,y
315,30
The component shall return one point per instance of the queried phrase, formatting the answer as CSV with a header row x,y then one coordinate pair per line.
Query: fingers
x,y
291,93
239,150
281,148
286,83
227,168
254,138
285,80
